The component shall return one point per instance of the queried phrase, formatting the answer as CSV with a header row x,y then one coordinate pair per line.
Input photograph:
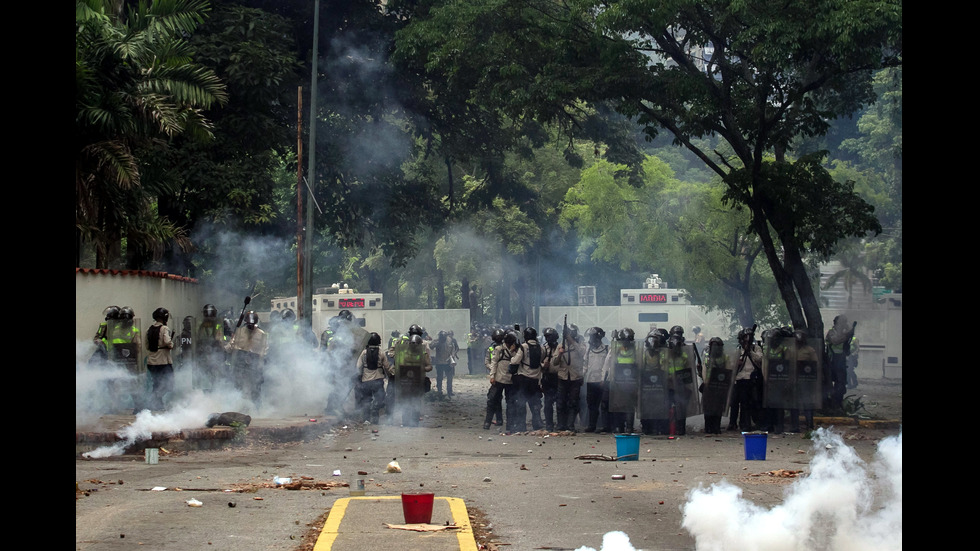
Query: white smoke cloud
x,y
844,504
613,541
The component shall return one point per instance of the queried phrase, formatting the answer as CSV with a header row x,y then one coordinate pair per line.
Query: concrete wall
x,y
879,330
143,291
637,317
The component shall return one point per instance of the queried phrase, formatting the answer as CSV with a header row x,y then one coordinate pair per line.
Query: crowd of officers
x,y
607,384
566,379
222,352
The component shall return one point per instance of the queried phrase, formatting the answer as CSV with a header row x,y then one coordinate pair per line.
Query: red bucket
x,y
417,507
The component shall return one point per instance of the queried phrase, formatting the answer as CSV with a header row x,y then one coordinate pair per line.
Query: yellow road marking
x,y
331,528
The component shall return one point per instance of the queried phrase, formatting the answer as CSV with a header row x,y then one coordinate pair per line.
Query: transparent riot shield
x,y
624,379
184,352
211,360
653,386
778,375
681,366
125,344
809,374
719,378
409,367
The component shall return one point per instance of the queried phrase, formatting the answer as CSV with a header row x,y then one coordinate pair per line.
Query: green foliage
x,y
775,73
136,87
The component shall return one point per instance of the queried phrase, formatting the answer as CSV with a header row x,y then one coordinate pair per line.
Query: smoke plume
x,y
844,504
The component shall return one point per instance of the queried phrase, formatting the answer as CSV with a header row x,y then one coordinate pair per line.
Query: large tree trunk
x,y
784,280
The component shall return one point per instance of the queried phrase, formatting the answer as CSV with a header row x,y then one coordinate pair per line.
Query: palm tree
x,y
136,87
853,271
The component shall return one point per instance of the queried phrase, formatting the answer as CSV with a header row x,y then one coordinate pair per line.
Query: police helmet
x,y
530,334
188,322
415,329
573,331
345,315
210,311
161,314
497,336
374,340
111,313
288,314
443,335
595,333
416,340
654,340
251,319
677,330
696,329
627,334
716,341
551,335
800,336
126,313
510,338
395,334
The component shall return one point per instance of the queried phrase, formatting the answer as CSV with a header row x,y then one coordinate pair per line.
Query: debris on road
x,y
422,527
596,456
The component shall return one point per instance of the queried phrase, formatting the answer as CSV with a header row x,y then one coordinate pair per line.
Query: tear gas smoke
x,y
185,415
613,541
844,504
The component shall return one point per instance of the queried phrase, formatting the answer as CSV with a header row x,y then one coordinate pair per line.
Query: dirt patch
x,y
313,532
482,530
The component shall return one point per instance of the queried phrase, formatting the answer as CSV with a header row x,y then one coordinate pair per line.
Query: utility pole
x,y
306,299
300,189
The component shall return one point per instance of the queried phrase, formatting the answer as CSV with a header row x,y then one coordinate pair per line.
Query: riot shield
x,y
653,387
184,353
124,339
624,378
780,379
808,369
719,378
409,369
681,365
210,366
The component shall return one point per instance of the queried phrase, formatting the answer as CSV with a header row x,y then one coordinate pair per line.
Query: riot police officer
x,y
412,361
654,407
718,379
746,402
159,362
249,347
595,357
680,362
549,377
622,379
527,381
373,368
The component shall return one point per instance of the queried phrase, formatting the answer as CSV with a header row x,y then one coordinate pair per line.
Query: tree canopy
x,y
755,74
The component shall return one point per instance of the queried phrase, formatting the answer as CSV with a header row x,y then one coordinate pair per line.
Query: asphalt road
x,y
523,492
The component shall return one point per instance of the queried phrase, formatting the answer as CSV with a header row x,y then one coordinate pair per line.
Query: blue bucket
x,y
627,447
755,446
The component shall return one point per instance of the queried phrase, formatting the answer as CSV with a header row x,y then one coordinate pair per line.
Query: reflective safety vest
x,y
626,357
126,336
407,358
677,364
